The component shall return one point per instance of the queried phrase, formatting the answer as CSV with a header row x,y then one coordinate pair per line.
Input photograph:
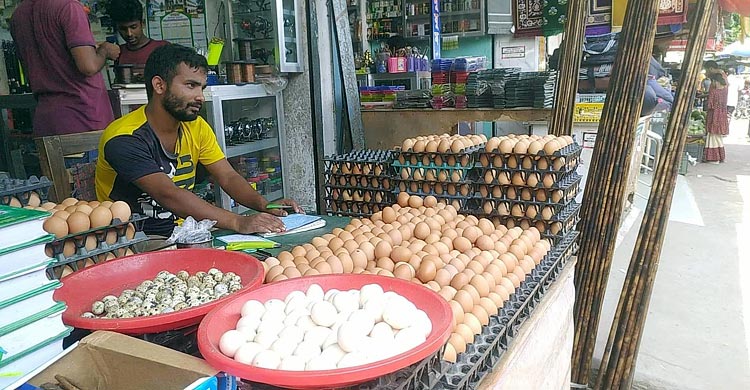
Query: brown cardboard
x,y
112,361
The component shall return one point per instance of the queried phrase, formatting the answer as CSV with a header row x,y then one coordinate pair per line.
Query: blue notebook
x,y
297,223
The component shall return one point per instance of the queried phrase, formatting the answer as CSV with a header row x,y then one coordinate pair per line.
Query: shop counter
x,y
385,128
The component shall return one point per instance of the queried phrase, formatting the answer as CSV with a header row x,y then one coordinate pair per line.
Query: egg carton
x,y
367,182
565,190
431,173
532,210
508,177
570,155
359,194
562,223
21,189
100,234
489,346
364,161
425,187
350,208
83,256
422,375
464,158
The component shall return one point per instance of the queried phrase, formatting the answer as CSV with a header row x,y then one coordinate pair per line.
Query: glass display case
x,y
270,31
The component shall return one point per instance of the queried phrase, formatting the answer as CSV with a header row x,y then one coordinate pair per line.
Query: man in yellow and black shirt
x,y
148,158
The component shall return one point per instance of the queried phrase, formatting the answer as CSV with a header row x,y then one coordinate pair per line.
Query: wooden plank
x,y
346,59
50,158
80,142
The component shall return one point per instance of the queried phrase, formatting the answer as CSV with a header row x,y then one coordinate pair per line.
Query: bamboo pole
x,y
605,190
618,364
566,88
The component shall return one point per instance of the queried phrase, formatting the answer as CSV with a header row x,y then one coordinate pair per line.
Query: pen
x,y
274,206
238,246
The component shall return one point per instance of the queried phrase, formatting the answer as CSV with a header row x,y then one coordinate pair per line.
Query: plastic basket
x,y
588,112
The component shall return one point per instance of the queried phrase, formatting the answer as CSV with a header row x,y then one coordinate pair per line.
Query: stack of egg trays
x,y
102,247
568,189
363,174
463,158
496,337
561,223
494,159
464,188
461,203
21,189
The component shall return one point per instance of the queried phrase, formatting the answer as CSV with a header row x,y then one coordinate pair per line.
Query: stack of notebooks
x,y
478,91
497,79
544,91
417,98
31,327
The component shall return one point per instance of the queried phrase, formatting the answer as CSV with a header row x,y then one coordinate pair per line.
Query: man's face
x,y
131,32
183,98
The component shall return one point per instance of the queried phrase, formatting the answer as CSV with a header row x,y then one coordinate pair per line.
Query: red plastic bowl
x,y
225,316
80,289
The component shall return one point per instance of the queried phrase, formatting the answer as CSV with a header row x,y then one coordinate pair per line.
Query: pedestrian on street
x,y
717,117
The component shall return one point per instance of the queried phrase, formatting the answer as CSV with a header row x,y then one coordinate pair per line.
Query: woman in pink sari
x,y
717,115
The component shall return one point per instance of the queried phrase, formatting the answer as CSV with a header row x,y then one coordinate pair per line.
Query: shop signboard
x,y
178,21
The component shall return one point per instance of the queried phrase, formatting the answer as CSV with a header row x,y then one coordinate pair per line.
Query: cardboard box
x,y
112,361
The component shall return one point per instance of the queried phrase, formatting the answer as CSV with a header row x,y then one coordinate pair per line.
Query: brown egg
x,y
481,285
84,208
481,314
78,222
465,331
489,306
458,311
447,292
475,267
359,259
520,274
120,210
383,249
513,277
311,272
484,242
292,272
403,271
475,297
427,271
274,272
465,299
403,199
459,281
384,263
495,270
449,354
507,284
551,147
421,231
56,226
69,202
443,277
496,299
473,323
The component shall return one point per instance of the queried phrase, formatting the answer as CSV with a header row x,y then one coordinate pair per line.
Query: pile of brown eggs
x,y
472,263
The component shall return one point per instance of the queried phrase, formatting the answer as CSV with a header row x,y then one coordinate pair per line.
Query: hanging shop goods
x,y
604,196
618,363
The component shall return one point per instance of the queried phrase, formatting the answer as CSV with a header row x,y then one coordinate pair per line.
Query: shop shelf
x,y
252,147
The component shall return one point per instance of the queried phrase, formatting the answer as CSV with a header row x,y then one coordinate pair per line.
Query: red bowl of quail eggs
x,y
325,331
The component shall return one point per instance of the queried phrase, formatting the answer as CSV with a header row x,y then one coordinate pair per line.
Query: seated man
x,y
127,16
148,158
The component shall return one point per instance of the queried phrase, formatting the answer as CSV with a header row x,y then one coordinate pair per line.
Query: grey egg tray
x,y
482,355
20,188
102,249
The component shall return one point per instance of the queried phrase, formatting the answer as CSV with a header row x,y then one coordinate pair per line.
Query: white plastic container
x,y
13,369
28,303
23,281
19,336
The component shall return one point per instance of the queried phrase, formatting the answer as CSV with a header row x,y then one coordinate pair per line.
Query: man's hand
x,y
259,223
111,51
286,202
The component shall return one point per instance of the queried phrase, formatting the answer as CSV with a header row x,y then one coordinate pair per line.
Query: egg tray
x,y
570,164
489,346
371,158
431,164
422,375
365,182
437,188
465,156
461,201
565,220
409,172
560,179
479,204
21,189
82,254
340,193
573,149
100,233
570,187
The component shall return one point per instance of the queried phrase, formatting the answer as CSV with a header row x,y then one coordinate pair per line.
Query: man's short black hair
x,y
163,62
710,65
123,11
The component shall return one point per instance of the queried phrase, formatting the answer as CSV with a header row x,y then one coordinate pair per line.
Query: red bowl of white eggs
x,y
325,331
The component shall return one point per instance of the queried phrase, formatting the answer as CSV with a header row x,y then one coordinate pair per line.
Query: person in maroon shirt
x,y
127,16
63,64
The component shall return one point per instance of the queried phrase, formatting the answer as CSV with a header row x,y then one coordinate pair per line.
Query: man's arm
x,y
90,60
184,203
237,187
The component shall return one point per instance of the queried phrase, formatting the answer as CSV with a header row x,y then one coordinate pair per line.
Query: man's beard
x,y
178,109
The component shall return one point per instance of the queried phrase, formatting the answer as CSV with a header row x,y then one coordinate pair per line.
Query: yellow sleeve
x,y
210,152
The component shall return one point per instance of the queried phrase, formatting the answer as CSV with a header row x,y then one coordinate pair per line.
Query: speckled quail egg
x,y
97,307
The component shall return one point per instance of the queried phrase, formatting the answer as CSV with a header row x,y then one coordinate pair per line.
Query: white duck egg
x,y
307,351
350,336
368,292
317,335
266,339
246,353
275,305
375,307
267,359
292,363
382,332
363,320
315,293
296,303
247,332
284,347
294,295
271,326
252,308
332,354
250,322
408,338
330,294
319,365
323,313
397,316
292,332
305,323
231,341
422,323
273,315
332,339
346,302
293,317
352,359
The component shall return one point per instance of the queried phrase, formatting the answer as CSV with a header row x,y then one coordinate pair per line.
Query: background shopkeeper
x,y
148,158
127,17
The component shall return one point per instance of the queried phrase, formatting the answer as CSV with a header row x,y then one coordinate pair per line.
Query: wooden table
x,y
388,127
